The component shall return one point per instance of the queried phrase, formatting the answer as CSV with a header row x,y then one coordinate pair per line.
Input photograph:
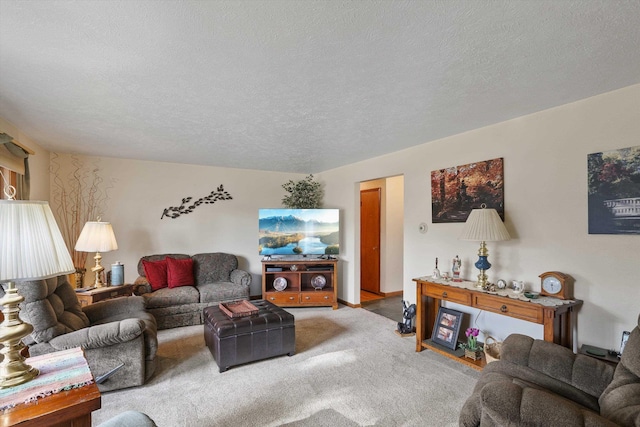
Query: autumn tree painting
x,y
457,190
614,191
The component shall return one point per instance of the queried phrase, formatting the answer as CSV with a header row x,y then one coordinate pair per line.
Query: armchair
x,y
543,384
111,333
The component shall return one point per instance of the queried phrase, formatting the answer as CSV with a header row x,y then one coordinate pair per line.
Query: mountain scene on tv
x,y
299,232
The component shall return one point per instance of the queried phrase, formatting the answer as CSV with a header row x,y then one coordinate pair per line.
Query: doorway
x,y
381,245
370,240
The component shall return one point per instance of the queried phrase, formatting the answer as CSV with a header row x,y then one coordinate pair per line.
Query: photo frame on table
x,y
447,328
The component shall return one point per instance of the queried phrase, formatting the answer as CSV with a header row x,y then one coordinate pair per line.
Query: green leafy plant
x,y
304,194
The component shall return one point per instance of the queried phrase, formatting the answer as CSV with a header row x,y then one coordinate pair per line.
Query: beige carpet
x,y
350,369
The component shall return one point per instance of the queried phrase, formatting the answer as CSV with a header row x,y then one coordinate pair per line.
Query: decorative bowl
x,y
280,284
318,282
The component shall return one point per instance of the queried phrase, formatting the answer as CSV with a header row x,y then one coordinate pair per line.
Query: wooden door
x,y
370,240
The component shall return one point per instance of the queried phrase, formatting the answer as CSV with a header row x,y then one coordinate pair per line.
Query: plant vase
x,y
473,354
79,277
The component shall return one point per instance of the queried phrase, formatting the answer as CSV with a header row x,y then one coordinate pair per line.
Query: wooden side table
x,y
71,408
101,294
599,353
68,408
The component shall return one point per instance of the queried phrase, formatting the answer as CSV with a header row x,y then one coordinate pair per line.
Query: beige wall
x,y
545,196
545,161
141,191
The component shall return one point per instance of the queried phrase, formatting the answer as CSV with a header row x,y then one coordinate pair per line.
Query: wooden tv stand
x,y
557,319
298,275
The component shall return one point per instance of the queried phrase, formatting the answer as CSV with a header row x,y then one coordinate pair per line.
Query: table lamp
x,y
31,248
484,225
97,236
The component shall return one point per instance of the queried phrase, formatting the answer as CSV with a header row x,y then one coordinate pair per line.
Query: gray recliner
x,y
111,333
538,383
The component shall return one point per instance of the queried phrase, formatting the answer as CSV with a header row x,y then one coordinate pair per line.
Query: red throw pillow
x,y
180,272
156,272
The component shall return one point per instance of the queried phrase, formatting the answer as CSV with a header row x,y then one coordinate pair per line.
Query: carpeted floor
x,y
350,369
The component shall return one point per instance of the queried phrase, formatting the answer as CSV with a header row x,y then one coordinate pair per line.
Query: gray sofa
x,y
538,383
112,332
217,279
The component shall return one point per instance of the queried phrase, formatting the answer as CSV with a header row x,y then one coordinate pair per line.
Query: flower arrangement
x,y
472,340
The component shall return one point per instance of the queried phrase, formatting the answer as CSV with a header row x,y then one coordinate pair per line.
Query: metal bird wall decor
x,y
187,207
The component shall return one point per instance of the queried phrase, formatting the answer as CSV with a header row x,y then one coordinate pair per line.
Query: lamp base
x,y
483,265
483,280
13,369
22,373
98,269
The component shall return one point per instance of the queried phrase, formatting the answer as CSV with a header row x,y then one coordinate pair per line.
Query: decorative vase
x,y
79,276
473,354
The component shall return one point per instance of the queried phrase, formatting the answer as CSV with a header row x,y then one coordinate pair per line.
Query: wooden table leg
x,y
420,317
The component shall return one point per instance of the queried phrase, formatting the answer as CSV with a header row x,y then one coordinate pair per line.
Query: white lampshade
x,y
484,225
31,245
96,236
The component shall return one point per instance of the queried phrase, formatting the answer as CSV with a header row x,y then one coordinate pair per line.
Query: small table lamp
x,y
97,236
31,248
484,225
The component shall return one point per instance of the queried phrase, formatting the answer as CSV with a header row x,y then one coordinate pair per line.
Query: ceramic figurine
x,y
455,269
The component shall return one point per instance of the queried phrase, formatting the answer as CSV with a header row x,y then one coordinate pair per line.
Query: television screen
x,y
299,231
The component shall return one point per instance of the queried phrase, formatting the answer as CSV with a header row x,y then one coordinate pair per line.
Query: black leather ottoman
x,y
233,342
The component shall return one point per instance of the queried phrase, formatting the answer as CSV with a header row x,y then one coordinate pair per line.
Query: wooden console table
x,y
556,319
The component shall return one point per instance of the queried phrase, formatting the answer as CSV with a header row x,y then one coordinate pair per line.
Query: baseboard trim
x,y
349,304
392,294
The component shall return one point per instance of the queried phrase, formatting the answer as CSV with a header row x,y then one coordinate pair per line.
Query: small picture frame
x,y
447,327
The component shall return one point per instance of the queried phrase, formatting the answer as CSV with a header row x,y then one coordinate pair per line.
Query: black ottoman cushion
x,y
234,341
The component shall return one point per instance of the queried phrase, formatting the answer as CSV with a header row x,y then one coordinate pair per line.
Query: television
x,y
299,232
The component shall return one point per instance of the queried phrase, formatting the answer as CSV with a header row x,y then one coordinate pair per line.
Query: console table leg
x,y
420,324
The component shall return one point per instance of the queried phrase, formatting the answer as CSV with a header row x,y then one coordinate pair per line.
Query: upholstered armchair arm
x,y
100,336
508,404
241,278
113,307
141,286
564,372
620,402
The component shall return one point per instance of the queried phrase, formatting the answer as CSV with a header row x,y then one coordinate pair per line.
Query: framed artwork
x,y
614,191
455,191
447,327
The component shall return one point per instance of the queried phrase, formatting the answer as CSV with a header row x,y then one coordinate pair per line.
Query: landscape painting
x,y
614,191
299,231
457,190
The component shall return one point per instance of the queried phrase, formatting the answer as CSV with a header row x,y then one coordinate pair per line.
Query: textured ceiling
x,y
299,86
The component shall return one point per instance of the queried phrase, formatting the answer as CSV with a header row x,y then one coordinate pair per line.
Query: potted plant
x,y
304,194
472,350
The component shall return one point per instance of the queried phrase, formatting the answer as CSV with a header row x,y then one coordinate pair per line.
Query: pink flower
x,y
472,340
